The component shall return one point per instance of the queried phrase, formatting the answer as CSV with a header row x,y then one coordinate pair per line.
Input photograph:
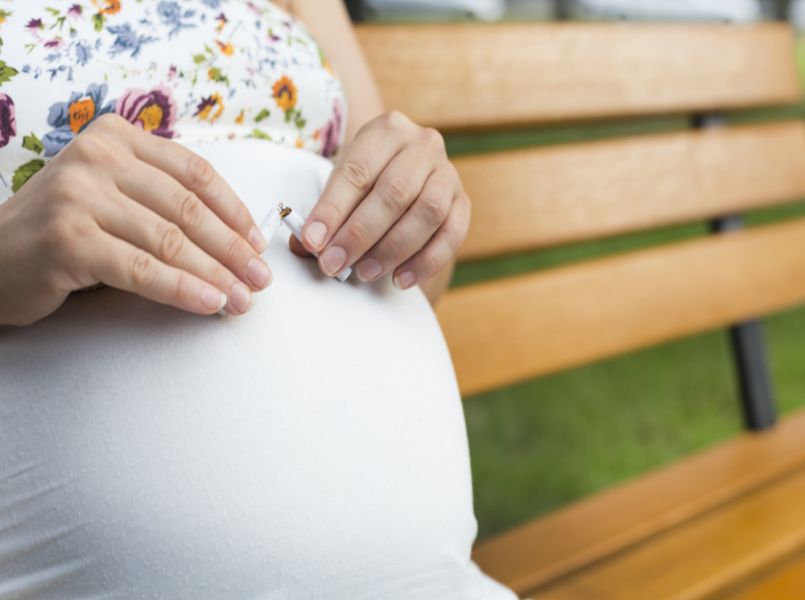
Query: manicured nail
x,y
212,299
315,234
240,297
257,239
405,280
333,260
258,273
369,269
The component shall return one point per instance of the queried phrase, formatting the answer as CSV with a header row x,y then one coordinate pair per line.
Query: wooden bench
x,y
728,522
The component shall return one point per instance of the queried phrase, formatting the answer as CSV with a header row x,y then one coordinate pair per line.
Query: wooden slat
x,y
584,533
542,197
544,322
477,75
709,554
786,583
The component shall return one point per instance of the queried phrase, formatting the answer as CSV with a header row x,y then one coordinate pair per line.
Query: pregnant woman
x,y
311,444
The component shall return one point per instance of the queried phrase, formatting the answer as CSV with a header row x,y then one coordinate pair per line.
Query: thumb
x,y
297,247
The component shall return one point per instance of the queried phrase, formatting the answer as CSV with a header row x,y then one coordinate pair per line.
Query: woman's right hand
x,y
134,211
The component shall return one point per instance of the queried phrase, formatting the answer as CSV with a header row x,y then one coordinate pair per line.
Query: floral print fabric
x,y
195,70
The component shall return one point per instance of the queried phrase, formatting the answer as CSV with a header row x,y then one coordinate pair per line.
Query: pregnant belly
x,y
313,447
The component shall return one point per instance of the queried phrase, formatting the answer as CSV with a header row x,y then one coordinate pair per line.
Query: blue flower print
x,y
127,40
83,53
171,14
71,118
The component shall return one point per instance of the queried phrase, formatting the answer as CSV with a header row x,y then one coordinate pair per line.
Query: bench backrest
x,y
479,77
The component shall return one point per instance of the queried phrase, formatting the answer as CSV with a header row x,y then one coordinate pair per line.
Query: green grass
x,y
541,444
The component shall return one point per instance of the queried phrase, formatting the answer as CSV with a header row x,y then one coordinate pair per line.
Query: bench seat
x,y
698,527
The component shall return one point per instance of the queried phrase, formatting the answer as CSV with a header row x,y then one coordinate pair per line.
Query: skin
x,y
144,214
394,203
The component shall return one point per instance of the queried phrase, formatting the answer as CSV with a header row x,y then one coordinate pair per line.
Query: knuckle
x,y
429,263
221,276
200,172
394,119
394,194
233,248
454,238
391,250
432,138
434,209
86,147
171,241
359,234
190,210
109,122
142,270
357,174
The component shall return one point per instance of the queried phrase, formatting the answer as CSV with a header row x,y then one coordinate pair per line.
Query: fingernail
x,y
333,259
258,273
405,280
315,234
369,269
257,239
212,299
240,297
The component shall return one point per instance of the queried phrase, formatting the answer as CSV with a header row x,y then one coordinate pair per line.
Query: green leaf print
x,y
33,143
25,172
260,135
98,20
263,114
199,58
6,72
216,75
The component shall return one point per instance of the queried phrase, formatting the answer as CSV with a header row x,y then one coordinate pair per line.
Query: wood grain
x,y
542,197
461,76
548,321
580,535
709,554
785,583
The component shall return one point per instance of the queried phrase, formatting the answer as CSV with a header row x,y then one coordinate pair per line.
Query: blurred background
x,y
541,444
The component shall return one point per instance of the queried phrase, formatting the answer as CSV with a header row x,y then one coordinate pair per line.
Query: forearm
x,y
329,22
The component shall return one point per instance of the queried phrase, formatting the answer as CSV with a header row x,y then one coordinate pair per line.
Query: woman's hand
x,y
394,203
133,211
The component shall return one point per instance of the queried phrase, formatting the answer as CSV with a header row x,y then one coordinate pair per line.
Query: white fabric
x,y
313,448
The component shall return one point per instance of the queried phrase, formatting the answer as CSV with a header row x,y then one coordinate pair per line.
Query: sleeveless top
x,y
195,71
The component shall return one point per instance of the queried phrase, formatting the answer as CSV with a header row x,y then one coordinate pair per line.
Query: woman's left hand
x,y
393,203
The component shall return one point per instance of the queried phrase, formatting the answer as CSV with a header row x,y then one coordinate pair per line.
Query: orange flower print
x,y
210,108
226,49
80,113
239,119
107,7
285,93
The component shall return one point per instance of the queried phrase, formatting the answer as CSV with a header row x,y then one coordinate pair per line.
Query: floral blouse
x,y
195,70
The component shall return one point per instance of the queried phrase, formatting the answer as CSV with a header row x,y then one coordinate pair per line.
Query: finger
x,y
416,227
354,175
198,175
130,221
396,189
297,248
171,200
440,250
132,269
